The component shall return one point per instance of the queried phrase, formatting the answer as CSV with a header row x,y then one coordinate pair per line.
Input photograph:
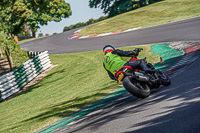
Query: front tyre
x,y
165,80
136,88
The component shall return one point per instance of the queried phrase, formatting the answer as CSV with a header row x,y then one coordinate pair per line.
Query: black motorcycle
x,y
139,83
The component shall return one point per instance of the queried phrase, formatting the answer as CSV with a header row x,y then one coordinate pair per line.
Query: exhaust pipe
x,y
142,77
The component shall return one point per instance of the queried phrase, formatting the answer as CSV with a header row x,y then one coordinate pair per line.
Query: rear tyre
x,y
136,88
165,80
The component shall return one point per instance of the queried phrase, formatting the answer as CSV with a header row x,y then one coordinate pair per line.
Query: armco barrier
x,y
15,80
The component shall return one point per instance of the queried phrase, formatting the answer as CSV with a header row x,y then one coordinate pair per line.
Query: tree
x,y
7,45
90,21
40,35
114,7
31,12
4,3
81,24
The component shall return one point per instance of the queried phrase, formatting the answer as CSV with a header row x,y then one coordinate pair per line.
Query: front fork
x,y
157,81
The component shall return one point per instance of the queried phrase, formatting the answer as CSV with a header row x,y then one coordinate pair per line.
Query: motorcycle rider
x,y
113,60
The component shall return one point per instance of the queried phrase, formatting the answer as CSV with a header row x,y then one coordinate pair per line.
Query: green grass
x,y
76,81
154,14
79,78
26,40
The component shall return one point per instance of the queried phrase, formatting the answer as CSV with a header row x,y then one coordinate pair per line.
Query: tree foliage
x,y
81,24
7,45
114,7
16,14
40,35
12,51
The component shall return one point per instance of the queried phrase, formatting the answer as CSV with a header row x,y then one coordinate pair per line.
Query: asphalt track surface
x,y
185,30
172,109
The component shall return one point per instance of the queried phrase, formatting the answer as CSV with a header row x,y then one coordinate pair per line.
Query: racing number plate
x,y
121,76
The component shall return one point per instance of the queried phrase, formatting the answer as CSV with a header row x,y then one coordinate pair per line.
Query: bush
x,y
81,24
18,55
40,35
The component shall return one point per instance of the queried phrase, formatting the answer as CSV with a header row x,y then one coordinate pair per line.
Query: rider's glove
x,y
137,50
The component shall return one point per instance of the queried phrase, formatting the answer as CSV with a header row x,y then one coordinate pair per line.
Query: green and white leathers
x,y
113,62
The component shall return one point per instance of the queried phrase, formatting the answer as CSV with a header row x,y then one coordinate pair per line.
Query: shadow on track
x,y
169,109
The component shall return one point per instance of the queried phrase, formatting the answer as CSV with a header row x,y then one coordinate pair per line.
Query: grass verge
x,y
76,81
154,14
26,40
31,39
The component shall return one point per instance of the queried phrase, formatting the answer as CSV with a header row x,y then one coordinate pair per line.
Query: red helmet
x,y
108,48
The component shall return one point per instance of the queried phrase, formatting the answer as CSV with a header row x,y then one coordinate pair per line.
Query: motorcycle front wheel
x,y
165,80
136,88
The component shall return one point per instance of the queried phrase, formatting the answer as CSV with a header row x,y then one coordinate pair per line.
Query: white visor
x,y
107,49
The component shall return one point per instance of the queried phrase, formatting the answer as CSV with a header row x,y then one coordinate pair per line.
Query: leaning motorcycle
x,y
138,82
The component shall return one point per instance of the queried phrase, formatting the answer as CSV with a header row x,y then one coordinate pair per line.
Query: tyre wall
x,y
15,80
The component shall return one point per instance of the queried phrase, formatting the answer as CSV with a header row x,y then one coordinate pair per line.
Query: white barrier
x,y
15,80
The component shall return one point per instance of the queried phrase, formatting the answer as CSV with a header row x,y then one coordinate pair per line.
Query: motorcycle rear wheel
x,y
136,88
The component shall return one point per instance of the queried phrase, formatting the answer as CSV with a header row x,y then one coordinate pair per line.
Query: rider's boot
x,y
150,66
145,68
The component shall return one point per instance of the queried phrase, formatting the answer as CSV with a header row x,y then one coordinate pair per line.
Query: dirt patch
x,y
4,66
37,79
